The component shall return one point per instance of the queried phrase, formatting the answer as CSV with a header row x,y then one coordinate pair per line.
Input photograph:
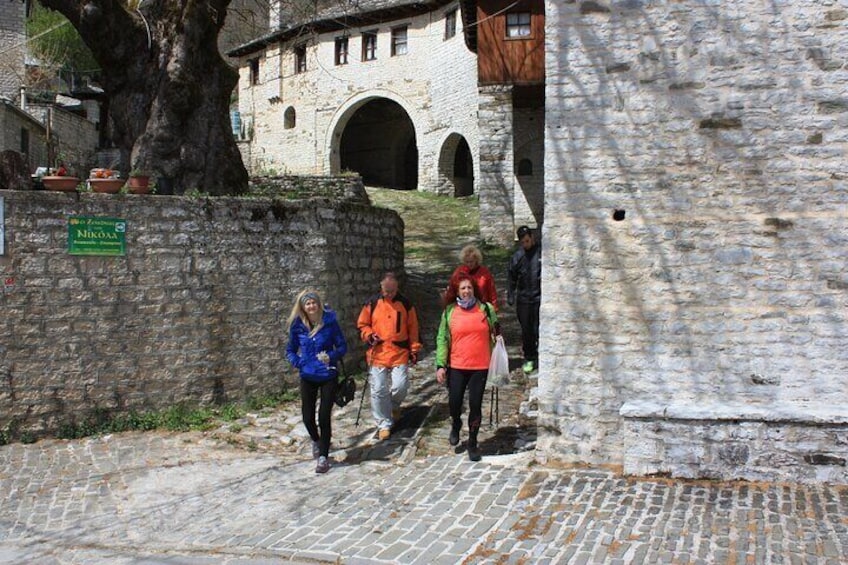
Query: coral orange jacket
x,y
395,322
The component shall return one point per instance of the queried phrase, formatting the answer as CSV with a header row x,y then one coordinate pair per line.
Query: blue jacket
x,y
302,349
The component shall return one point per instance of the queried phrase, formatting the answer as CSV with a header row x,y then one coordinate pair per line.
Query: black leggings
x,y
475,382
308,397
528,317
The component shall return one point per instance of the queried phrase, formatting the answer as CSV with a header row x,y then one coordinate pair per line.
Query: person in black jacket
x,y
525,291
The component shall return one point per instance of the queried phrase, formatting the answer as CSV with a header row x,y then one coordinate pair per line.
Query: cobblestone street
x,y
178,498
252,496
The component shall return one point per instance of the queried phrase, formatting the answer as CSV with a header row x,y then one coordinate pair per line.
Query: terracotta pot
x,y
110,186
64,184
138,185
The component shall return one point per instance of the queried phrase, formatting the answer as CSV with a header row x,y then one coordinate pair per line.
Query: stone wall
x,y
497,181
194,311
696,238
73,138
13,121
439,96
13,48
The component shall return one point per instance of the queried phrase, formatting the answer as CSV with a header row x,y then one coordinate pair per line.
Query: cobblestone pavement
x,y
157,498
250,495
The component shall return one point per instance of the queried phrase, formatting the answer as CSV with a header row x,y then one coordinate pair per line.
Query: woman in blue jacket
x,y
316,344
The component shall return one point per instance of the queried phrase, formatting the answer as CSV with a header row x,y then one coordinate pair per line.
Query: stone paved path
x,y
177,498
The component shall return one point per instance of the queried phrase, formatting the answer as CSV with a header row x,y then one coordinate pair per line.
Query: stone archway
x,y
456,167
377,140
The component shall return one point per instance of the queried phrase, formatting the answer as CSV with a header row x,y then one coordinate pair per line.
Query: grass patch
x,y
182,417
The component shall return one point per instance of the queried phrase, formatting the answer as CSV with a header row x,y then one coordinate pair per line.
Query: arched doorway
x,y
456,166
378,142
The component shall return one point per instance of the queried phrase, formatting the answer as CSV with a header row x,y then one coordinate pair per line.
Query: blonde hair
x,y
298,310
470,251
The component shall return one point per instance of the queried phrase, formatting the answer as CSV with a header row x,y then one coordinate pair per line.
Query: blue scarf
x,y
466,304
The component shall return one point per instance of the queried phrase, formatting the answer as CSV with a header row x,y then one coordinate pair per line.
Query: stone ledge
x,y
714,411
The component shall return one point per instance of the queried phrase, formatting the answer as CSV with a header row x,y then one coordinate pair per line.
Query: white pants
x,y
389,386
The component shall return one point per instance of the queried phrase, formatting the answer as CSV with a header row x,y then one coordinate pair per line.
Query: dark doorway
x,y
463,170
378,142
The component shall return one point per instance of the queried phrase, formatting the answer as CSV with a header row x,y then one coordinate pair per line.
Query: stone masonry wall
x,y
13,121
439,96
13,48
497,187
196,309
696,237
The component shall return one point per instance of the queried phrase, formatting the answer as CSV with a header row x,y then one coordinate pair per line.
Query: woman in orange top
x,y
463,347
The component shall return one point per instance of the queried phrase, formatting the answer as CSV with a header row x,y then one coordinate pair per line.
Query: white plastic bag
x,y
499,364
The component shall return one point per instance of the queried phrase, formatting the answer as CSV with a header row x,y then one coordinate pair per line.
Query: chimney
x,y
23,98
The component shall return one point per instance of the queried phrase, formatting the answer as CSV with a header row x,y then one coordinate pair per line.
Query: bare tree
x,y
168,87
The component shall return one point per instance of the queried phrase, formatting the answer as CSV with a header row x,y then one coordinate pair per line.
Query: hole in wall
x,y
618,215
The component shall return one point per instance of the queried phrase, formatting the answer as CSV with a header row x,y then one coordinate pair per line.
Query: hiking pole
x,y
362,398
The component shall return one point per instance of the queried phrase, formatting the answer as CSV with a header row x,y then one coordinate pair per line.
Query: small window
x,y
300,59
25,141
289,118
254,71
399,41
369,46
450,24
525,168
518,24
341,51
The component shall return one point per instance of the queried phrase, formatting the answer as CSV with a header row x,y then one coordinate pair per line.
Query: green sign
x,y
96,236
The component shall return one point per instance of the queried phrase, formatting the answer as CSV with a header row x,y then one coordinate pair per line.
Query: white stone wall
x,y
435,82
12,47
720,130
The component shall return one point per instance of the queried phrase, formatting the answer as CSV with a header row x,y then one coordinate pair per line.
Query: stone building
x,y
12,48
387,89
440,96
695,285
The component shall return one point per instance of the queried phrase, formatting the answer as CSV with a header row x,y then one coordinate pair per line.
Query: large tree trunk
x,y
169,87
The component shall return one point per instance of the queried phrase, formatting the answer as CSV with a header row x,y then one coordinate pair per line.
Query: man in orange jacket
x,y
388,323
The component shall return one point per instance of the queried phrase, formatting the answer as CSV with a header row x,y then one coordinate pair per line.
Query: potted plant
x,y
105,180
138,182
60,180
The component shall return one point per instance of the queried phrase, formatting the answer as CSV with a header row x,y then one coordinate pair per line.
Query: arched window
x,y
525,168
289,118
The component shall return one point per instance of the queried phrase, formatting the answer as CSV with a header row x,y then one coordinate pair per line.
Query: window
x,y
25,141
341,51
450,24
254,71
369,46
518,24
289,118
525,168
399,41
300,59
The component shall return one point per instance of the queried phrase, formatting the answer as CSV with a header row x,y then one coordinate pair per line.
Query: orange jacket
x,y
396,323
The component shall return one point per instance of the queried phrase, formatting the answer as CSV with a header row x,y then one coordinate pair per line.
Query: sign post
x,y
96,236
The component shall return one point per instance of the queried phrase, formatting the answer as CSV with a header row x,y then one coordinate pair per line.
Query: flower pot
x,y
110,186
138,185
64,184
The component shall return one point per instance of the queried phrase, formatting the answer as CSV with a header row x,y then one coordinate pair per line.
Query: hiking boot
x,y
384,434
316,450
323,465
527,367
474,452
453,438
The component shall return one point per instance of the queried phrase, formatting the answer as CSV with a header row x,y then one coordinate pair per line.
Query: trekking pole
x,y
362,398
